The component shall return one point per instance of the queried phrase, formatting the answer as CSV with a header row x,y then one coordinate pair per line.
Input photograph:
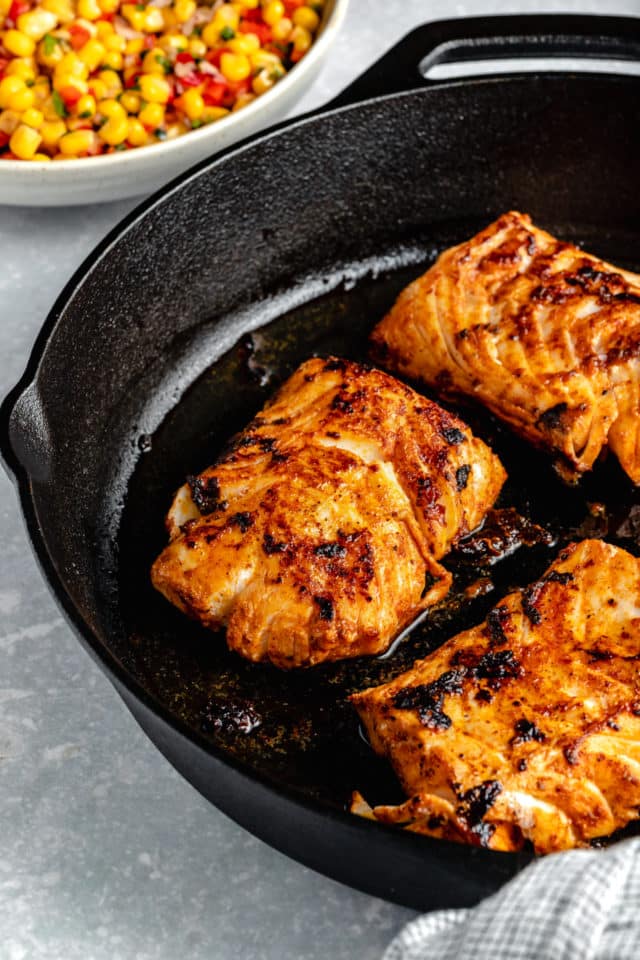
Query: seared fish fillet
x,y
546,336
317,536
528,726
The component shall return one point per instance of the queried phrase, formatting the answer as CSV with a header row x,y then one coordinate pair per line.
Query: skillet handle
x,y
405,66
24,434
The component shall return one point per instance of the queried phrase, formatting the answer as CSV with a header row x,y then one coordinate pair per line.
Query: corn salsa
x,y
81,78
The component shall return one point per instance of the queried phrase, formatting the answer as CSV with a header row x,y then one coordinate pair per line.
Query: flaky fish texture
x,y
543,334
528,726
317,535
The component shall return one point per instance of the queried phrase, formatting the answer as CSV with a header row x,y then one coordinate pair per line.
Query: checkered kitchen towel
x,y
581,905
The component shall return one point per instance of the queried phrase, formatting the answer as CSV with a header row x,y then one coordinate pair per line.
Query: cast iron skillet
x,y
184,319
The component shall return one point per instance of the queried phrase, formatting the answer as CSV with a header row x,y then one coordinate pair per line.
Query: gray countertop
x,y
105,852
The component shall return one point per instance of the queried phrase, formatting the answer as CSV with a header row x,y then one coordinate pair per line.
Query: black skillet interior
x,y
185,320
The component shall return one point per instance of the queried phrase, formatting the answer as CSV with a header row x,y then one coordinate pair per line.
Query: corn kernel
x,y
22,67
86,106
9,86
154,89
153,20
98,88
183,9
89,9
197,48
91,54
134,46
62,9
235,66
273,12
115,130
264,80
211,34
71,65
243,100
250,4
41,157
24,142
104,31
282,29
18,43
192,103
112,82
21,100
227,15
307,18
113,41
301,40
109,6
175,41
210,114
176,130
36,23
137,136
9,121
111,108
152,115
263,58
113,60
51,131
244,43
154,61
77,143
33,118
49,55
130,101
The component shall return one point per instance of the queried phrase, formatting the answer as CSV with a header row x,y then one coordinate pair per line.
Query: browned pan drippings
x,y
297,728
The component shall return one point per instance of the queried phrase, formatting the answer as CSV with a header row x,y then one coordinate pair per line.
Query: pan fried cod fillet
x,y
546,336
526,727
317,535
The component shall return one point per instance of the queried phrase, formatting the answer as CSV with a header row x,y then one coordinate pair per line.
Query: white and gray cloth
x,y
580,905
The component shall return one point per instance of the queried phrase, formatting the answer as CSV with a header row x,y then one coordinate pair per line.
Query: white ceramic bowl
x,y
140,171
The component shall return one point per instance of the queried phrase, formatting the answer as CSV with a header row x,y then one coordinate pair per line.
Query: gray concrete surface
x,y
105,852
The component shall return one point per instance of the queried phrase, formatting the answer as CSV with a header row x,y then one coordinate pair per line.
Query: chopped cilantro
x,y
58,104
227,33
49,44
160,133
85,114
195,124
141,6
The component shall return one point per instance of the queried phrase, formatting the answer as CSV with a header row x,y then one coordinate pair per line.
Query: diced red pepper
x,y
17,8
184,58
132,81
4,139
214,93
261,30
78,36
150,41
255,16
290,6
8,156
70,95
234,90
